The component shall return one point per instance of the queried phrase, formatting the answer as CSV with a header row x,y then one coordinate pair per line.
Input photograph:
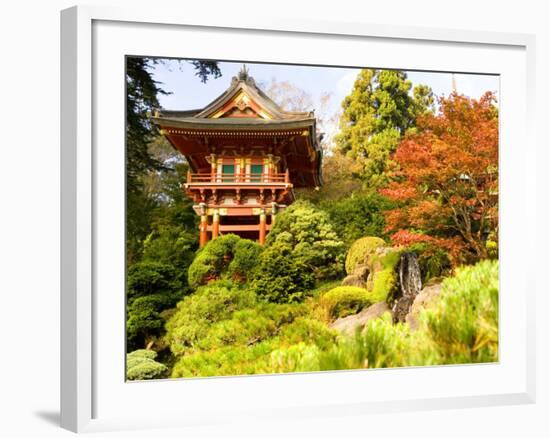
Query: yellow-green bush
x,y
464,321
361,250
141,365
197,313
279,351
460,327
344,300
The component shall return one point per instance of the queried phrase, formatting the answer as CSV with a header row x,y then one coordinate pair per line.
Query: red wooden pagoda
x,y
246,155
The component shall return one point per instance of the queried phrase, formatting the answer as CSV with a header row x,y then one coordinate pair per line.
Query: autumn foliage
x,y
447,179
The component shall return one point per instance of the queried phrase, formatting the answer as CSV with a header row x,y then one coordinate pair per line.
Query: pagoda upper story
x,y
245,154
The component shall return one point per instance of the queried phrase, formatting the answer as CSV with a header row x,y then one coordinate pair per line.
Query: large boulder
x,y
421,302
351,323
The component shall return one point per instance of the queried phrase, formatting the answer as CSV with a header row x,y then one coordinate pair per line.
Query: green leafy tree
x,y
358,215
377,113
142,93
152,288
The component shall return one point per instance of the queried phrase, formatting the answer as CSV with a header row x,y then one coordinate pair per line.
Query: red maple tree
x,y
447,179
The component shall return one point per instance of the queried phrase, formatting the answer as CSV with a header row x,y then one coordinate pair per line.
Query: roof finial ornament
x,y
243,74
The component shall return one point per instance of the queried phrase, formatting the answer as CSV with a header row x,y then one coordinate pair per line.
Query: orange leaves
x,y
446,177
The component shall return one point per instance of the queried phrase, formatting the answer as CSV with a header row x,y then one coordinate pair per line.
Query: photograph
x,y
285,218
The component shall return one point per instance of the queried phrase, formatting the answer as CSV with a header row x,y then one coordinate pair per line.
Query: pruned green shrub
x,y
279,277
245,259
228,256
151,277
141,365
344,300
260,355
197,312
312,240
360,251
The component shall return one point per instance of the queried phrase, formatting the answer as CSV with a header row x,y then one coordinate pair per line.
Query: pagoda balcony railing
x,y
237,179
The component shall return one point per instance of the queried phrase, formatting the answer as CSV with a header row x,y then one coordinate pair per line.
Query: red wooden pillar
x,y
203,233
262,227
215,224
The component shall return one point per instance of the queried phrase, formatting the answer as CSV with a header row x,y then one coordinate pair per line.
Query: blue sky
x,y
189,93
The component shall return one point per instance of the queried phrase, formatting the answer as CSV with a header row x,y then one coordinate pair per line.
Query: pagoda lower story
x,y
239,203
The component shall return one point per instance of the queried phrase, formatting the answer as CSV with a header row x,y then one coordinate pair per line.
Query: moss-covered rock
x,y
360,251
383,278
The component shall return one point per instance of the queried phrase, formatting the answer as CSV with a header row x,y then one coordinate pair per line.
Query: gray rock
x,y
358,278
353,280
422,301
350,324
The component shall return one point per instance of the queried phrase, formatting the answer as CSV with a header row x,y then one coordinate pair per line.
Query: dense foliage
x,y
447,180
346,300
226,257
311,237
400,177
461,328
142,93
361,250
377,113
141,365
280,277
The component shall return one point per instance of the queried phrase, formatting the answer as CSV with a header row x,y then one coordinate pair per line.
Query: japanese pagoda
x,y
246,154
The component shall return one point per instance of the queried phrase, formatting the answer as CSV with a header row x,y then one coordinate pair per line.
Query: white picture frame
x,y
91,388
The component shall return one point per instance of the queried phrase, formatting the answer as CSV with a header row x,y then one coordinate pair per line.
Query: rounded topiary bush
x,y
344,300
228,256
361,250
141,365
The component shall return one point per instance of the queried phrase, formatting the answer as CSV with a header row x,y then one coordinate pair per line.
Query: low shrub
x,y
464,321
277,352
141,365
344,300
145,321
196,313
250,326
360,250
228,256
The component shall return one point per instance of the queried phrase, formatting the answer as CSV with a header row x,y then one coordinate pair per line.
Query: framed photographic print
x,y
278,208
